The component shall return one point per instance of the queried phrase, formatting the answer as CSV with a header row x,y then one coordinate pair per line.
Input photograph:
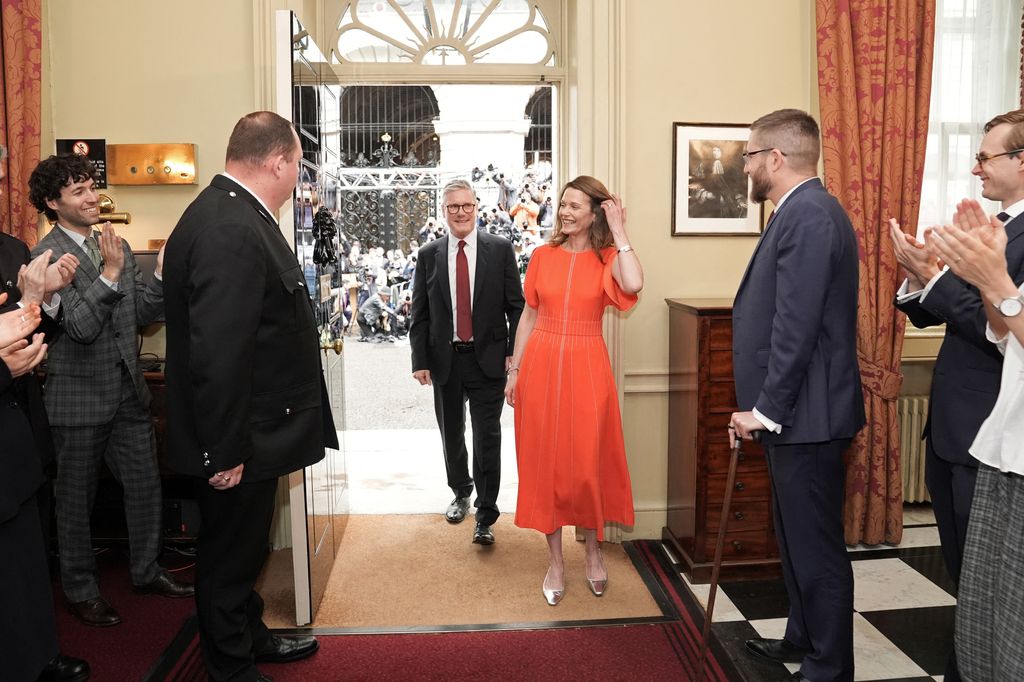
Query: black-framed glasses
x,y
982,157
455,208
746,155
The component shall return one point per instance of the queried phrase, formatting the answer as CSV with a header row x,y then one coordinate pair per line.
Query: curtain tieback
x,y
878,380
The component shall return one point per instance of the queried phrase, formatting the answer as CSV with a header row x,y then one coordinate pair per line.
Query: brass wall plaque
x,y
151,164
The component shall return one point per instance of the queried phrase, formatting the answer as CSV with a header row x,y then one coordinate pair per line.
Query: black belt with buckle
x,y
462,346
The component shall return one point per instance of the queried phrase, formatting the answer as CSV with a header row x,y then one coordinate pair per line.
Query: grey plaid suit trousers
x,y
98,405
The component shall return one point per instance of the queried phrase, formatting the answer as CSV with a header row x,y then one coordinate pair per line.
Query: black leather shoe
x,y
776,650
65,669
282,649
457,510
96,612
167,586
483,535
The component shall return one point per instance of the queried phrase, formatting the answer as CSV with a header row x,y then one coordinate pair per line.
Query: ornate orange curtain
x,y
874,83
20,106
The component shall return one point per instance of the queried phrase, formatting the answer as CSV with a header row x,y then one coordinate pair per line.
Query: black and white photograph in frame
x,y
710,192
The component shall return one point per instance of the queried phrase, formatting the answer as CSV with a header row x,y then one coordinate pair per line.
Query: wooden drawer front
x,y
717,453
749,486
721,394
720,364
752,544
743,516
720,333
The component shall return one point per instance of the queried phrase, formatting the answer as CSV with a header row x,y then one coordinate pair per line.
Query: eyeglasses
x,y
746,155
455,208
982,157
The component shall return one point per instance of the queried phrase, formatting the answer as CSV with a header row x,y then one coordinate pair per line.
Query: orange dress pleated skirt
x,y
569,448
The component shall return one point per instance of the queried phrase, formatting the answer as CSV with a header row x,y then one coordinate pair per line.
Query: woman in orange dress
x,y
569,448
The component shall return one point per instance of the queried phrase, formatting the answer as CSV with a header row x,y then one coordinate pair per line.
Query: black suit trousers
x,y
486,397
807,503
28,629
235,526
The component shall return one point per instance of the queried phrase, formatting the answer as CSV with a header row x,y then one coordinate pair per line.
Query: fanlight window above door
x,y
445,32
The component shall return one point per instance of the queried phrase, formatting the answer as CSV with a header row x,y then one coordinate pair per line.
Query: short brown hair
x,y
793,132
259,136
1015,118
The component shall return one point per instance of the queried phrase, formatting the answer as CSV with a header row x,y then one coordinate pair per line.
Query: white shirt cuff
x,y
53,306
112,285
999,341
902,295
768,423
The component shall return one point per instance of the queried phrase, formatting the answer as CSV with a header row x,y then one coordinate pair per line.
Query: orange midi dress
x,y
569,448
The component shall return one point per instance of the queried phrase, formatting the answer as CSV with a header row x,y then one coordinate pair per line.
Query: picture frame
x,y
710,191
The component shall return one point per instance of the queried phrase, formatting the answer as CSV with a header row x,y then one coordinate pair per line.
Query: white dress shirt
x,y
453,252
1000,440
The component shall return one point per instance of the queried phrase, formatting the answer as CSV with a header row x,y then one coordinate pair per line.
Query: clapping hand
x,y
21,356
17,324
974,246
919,264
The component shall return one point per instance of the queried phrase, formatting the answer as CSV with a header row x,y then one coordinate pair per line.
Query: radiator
x,y
913,411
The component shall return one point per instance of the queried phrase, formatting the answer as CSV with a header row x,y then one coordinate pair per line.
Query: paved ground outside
x,y
380,393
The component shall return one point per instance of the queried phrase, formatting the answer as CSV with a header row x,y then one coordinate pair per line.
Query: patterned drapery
x,y
20,106
874,83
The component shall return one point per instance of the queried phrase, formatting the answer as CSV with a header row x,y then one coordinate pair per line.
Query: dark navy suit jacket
x,y
967,370
795,322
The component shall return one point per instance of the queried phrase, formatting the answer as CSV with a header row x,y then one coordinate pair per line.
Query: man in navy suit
x,y
798,384
966,379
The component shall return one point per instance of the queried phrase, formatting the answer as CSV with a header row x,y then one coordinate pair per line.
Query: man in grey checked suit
x,y
96,396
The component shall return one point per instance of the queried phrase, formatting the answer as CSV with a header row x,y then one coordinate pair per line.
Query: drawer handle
x,y
739,485
738,546
738,515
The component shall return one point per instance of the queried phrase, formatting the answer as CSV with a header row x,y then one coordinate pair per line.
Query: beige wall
x,y
184,72
690,61
135,72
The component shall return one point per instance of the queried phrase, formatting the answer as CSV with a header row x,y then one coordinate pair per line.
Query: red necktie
x,y
464,321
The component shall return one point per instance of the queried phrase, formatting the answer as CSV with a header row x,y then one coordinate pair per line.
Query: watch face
x,y
1011,307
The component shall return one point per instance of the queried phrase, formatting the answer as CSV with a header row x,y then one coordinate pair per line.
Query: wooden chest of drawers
x,y
701,399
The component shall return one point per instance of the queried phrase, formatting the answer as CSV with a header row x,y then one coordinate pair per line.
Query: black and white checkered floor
x,y
903,601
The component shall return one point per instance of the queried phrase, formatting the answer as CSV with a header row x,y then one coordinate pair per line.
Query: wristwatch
x,y
1010,307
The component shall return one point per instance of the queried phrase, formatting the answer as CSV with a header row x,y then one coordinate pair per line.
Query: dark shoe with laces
x,y
167,585
457,510
776,650
284,649
65,669
483,535
96,612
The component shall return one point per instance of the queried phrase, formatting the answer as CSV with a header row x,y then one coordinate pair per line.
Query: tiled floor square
x,y
725,609
928,561
887,584
925,635
918,515
759,599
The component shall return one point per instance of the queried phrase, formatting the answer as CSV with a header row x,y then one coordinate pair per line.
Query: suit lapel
x,y
442,272
482,253
86,270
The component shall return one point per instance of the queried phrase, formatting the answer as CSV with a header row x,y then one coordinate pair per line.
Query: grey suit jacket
x,y
83,379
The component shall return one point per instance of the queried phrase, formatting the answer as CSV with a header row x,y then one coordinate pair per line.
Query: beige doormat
x,y
420,571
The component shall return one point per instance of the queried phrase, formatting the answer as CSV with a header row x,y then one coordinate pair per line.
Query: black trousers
x,y
235,526
28,628
951,487
807,503
486,396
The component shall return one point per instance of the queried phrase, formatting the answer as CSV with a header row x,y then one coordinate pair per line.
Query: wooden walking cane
x,y
716,565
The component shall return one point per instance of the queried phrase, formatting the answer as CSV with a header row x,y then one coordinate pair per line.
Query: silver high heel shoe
x,y
598,586
552,597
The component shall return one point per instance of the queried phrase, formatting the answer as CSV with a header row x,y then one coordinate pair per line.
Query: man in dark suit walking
x,y
966,378
246,399
466,301
96,396
798,384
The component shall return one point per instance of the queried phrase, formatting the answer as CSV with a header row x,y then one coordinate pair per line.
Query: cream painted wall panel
x,y
690,61
135,72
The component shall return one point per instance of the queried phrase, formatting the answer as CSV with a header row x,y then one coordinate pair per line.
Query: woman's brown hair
x,y
600,235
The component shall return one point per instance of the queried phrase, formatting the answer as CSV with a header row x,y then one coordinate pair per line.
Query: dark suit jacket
x,y
244,382
968,368
83,377
795,322
25,390
497,305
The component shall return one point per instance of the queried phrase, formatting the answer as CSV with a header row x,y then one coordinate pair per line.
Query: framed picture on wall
x,y
710,192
